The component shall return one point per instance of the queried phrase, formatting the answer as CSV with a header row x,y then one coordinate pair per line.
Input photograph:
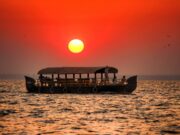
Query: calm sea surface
x,y
154,108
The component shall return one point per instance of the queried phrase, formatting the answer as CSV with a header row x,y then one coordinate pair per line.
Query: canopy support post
x,y
95,77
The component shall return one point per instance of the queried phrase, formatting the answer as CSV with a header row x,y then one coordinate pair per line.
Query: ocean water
x,y
153,108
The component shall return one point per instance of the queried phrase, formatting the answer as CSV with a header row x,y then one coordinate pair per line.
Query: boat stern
x,y
30,84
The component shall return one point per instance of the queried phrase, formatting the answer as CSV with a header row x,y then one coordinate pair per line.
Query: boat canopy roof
x,y
77,70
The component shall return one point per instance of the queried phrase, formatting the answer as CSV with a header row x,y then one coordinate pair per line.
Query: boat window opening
x,y
70,76
48,76
83,76
98,76
62,76
76,76
91,76
110,76
55,77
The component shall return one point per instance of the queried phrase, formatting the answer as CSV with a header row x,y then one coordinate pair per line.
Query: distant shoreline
x,y
159,77
140,77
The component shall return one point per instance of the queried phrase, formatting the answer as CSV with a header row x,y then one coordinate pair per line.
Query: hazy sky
x,y
136,36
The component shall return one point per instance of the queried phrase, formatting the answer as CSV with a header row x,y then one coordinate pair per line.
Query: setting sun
x,y
76,46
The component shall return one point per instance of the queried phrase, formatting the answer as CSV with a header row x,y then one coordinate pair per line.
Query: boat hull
x,y
110,88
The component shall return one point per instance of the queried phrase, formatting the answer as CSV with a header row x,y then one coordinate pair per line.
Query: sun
x,y
76,46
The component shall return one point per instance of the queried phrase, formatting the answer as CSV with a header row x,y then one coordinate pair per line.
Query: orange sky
x,y
137,36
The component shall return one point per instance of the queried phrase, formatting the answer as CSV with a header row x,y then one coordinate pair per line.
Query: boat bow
x,y
132,84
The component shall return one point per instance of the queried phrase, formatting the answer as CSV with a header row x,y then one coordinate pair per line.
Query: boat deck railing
x,y
77,82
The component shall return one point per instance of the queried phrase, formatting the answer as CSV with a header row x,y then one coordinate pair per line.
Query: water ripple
x,y
152,109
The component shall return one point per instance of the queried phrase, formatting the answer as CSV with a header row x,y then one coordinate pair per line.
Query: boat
x,y
80,80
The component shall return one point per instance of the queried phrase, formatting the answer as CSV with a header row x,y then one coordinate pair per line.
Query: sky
x,y
139,37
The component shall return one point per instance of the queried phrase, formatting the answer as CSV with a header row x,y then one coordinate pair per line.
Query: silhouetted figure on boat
x,y
123,80
115,79
41,77
106,75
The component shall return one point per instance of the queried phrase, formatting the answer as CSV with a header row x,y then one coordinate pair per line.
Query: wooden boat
x,y
80,80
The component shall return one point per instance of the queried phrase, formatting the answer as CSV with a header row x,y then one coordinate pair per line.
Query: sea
x,y
152,109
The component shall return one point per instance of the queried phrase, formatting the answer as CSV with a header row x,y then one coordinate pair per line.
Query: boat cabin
x,y
61,76
80,80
